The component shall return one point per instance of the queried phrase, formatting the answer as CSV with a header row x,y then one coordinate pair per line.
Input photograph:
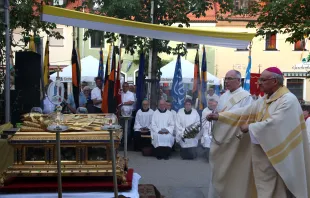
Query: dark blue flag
x,y
100,68
204,75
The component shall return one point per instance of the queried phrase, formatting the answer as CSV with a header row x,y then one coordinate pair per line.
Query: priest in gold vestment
x,y
279,141
230,158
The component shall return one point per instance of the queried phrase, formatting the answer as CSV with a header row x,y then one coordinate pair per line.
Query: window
x,y
300,45
296,86
97,37
57,42
58,2
192,46
241,4
271,41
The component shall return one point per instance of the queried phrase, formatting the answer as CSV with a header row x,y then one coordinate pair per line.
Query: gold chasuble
x,y
278,126
230,158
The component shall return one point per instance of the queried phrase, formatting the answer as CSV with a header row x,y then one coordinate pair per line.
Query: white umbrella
x,y
89,70
187,73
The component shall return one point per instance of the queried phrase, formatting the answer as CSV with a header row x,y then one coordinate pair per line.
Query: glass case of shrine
x,y
85,148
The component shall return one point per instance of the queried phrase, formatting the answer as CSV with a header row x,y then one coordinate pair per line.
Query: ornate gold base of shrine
x,y
83,153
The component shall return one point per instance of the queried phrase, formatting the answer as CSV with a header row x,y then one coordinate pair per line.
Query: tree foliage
x,y
282,16
25,15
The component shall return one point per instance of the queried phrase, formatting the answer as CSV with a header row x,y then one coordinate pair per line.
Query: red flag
x,y
254,87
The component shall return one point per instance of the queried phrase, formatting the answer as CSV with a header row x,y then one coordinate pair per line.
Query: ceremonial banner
x,y
76,75
177,92
140,82
247,79
203,100
46,65
117,86
188,35
107,68
254,87
196,84
100,68
108,99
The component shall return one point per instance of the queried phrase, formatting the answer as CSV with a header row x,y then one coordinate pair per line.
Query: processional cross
x,y
58,70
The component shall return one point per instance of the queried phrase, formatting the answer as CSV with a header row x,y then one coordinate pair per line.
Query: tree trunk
x,y
154,84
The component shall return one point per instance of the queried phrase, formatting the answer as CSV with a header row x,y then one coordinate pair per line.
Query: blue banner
x,y
100,68
246,85
177,92
203,100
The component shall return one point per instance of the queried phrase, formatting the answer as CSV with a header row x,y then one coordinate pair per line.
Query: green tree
x,y
290,17
166,12
25,15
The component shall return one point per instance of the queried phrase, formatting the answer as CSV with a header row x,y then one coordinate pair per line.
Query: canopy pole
x,y
150,54
7,60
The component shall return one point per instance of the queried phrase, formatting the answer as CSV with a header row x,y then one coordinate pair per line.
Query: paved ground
x,y
174,178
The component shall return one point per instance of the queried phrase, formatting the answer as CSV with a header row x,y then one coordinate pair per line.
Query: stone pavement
x,y
174,178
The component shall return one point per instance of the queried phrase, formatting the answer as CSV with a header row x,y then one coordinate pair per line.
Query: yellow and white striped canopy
x,y
96,22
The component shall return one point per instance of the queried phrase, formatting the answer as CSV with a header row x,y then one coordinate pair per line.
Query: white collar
x,y
237,90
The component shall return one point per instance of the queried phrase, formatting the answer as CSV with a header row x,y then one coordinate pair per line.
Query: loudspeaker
x,y
27,80
27,70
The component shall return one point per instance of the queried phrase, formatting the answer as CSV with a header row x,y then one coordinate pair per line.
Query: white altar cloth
x,y
133,193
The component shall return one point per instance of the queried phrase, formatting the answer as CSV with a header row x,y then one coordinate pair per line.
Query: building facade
x,y
271,50
60,50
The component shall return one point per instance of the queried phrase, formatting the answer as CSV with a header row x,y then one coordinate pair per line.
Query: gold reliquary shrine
x,y
85,149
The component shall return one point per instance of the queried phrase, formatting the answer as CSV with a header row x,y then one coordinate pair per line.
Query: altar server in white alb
x,y
162,131
206,126
174,114
143,123
186,117
280,146
230,162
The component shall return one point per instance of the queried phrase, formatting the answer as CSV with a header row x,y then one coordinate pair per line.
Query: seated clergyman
x,y
162,131
143,123
187,118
